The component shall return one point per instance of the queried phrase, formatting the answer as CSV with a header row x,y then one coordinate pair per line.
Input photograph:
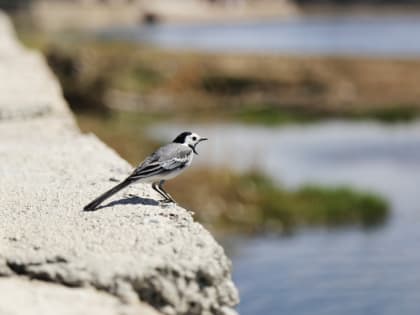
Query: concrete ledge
x,y
42,298
130,252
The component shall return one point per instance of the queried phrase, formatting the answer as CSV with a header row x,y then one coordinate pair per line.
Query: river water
x,y
327,272
371,35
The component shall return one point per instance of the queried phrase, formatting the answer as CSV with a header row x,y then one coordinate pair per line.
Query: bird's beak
x,y
193,147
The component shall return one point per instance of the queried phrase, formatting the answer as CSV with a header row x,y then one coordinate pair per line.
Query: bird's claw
x,y
166,202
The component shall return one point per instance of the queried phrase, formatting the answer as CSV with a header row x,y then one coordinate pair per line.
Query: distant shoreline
x,y
359,9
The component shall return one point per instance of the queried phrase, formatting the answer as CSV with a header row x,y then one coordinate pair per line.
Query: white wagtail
x,y
165,163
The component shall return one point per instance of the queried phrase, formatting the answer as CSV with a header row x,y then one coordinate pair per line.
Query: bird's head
x,y
189,139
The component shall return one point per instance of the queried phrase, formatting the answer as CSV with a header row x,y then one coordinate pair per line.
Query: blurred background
x,y
311,175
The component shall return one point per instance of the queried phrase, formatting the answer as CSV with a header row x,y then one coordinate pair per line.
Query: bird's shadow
x,y
131,200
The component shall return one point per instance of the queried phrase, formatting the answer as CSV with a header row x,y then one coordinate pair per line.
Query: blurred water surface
x,y
327,272
366,35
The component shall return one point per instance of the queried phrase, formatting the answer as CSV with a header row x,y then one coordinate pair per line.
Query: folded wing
x,y
161,162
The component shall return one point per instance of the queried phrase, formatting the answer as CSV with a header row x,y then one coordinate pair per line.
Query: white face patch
x,y
192,139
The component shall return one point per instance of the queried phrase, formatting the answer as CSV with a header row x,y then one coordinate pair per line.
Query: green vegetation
x,y
251,203
335,206
141,77
394,114
227,84
272,116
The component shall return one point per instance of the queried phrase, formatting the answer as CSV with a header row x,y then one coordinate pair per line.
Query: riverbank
x,y
252,88
357,8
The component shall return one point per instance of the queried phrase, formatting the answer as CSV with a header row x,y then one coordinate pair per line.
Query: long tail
x,y
95,203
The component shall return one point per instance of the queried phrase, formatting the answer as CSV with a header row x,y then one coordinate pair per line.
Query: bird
x,y
165,163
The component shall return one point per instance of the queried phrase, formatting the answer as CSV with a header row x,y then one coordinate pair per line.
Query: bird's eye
x,y
194,138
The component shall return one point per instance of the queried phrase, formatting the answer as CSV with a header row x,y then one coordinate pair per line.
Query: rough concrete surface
x,y
43,298
130,252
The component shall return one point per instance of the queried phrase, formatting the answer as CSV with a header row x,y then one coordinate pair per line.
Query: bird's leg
x,y
168,196
155,186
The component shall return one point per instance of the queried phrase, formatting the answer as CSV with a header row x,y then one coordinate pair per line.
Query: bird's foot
x,y
166,202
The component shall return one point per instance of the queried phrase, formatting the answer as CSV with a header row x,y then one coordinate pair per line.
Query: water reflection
x,y
338,271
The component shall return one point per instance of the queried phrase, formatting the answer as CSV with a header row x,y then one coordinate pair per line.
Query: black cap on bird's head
x,y
190,139
181,137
